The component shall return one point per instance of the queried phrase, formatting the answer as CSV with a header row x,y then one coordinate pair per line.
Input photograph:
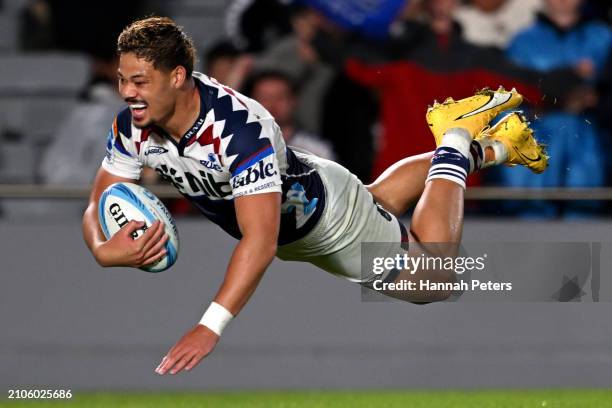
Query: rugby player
x,y
225,153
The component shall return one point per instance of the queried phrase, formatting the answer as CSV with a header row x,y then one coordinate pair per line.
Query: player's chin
x,y
142,122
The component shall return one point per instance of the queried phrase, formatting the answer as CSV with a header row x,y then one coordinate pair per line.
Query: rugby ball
x,y
121,203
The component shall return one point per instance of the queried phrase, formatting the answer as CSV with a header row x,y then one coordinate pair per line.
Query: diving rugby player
x,y
224,153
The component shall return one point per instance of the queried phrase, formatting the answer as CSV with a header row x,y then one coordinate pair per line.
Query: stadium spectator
x,y
276,91
72,156
353,140
293,55
431,61
493,23
35,28
368,19
561,38
603,113
227,64
253,25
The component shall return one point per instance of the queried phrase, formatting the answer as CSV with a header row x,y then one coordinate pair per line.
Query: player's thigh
x,y
372,233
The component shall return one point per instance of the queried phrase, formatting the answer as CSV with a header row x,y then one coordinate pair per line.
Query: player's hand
x,y
189,351
123,250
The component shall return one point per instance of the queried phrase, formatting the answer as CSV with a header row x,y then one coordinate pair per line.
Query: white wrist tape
x,y
216,318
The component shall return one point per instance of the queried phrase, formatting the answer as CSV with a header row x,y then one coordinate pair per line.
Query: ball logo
x,y
121,219
253,174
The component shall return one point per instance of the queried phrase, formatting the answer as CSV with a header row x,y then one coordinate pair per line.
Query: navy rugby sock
x,y
451,159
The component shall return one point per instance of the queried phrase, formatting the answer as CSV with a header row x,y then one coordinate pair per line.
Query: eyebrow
x,y
133,76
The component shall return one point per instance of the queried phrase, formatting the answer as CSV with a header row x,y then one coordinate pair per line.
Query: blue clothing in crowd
x,y
577,159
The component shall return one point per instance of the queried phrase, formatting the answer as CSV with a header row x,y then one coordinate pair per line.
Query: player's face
x,y
564,6
150,93
275,95
221,69
441,8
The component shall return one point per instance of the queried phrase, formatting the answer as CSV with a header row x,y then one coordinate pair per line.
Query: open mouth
x,y
138,110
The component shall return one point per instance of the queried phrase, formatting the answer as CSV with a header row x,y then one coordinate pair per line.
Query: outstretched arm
x,y
259,221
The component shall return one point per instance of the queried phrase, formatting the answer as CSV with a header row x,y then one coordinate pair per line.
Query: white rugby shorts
x,y
351,217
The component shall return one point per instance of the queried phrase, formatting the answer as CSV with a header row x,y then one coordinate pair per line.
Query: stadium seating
x,y
38,90
14,7
204,30
34,117
8,33
36,93
17,162
43,74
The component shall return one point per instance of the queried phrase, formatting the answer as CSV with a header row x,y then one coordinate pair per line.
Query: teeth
x,y
138,106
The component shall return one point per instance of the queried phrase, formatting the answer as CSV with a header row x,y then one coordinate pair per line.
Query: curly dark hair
x,y
159,41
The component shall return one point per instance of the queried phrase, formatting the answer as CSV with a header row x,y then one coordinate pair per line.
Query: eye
x,y
140,83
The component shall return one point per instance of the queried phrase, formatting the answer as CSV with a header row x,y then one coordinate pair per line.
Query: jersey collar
x,y
188,136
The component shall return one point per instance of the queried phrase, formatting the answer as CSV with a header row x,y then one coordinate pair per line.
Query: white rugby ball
x,y
121,203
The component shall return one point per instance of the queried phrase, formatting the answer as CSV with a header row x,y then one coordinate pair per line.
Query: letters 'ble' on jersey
x,y
234,148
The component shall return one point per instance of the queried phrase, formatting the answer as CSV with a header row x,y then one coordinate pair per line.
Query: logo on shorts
x,y
297,201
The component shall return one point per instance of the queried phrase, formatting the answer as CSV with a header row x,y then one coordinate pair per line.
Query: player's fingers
x,y
132,226
156,248
173,359
160,365
194,361
165,364
152,237
173,354
149,233
180,364
156,257
155,226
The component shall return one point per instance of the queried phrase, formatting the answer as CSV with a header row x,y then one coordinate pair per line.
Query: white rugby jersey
x,y
234,148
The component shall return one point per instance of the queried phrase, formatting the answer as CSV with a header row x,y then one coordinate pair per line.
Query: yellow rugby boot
x,y
521,147
473,113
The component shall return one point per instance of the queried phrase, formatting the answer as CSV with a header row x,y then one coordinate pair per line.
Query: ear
x,y
178,76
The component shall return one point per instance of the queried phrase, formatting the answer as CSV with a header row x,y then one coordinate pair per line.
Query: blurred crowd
x,y
350,80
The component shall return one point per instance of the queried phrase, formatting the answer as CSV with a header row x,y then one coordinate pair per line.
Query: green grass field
x,y
331,399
